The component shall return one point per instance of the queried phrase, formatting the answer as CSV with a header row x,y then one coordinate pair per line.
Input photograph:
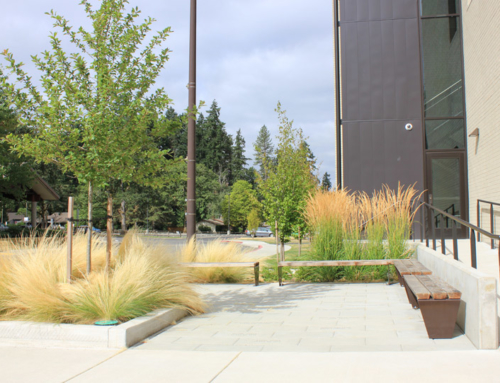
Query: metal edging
x,y
338,121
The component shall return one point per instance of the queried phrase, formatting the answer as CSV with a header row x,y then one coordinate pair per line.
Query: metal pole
x,y
443,245
473,257
338,121
478,210
191,171
90,227
455,241
69,261
491,226
229,213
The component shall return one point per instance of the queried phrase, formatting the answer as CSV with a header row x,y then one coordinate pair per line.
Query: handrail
x,y
473,229
491,218
462,222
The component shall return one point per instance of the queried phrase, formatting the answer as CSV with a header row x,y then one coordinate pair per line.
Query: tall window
x,y
443,79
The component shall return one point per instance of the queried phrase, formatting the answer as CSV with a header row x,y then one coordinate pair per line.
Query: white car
x,y
263,232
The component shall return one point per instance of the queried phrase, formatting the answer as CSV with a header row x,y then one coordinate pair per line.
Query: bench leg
x,y
256,272
411,297
279,276
400,277
439,317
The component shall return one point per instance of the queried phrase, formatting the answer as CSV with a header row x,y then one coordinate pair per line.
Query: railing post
x,y
426,228
473,258
491,226
455,241
443,244
433,226
421,223
478,212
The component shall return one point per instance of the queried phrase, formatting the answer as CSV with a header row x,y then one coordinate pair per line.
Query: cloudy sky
x,y
251,53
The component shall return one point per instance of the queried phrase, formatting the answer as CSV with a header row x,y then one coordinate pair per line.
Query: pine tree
x,y
238,161
326,183
264,149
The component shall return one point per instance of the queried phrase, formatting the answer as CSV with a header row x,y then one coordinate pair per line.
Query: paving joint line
x,y
226,366
94,366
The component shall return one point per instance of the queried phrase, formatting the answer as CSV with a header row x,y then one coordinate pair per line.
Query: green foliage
x,y
326,183
97,115
238,159
243,200
15,173
253,220
204,229
288,182
264,150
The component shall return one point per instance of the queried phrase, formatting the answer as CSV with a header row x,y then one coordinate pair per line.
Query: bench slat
x,y
220,264
374,262
421,268
401,266
438,288
417,287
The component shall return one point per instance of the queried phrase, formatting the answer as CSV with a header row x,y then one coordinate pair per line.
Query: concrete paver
x,y
305,318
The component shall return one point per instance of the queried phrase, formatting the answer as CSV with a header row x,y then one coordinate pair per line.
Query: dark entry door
x,y
446,190
382,140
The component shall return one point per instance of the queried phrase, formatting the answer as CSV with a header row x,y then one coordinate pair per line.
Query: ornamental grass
x,y
141,278
216,251
357,226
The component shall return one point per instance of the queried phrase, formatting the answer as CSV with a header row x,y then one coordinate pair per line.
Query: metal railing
x,y
492,223
426,212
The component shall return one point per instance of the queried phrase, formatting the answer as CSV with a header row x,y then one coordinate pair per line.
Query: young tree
x,y
326,183
288,182
264,150
253,220
243,200
98,114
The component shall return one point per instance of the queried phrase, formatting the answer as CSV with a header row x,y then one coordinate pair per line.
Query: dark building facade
x,y
400,99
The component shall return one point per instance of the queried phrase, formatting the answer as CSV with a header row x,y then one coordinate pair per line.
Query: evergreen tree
x,y
239,160
326,183
263,150
215,143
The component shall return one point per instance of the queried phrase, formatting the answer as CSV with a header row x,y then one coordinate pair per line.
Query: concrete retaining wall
x,y
477,315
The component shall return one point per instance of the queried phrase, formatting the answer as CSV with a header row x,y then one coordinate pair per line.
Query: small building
x,y
212,223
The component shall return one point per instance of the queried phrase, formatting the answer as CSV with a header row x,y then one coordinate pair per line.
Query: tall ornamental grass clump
x,y
356,226
216,251
141,278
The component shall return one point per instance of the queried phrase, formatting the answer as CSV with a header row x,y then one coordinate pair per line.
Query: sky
x,y
251,54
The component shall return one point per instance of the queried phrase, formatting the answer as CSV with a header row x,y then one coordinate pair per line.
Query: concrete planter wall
x,y
477,315
88,336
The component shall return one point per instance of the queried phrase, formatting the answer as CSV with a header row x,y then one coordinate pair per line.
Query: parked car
x,y
263,232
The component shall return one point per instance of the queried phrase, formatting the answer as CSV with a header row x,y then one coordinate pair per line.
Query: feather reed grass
x,y
356,226
141,279
216,251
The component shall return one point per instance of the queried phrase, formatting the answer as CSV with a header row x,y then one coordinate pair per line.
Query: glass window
x,y
439,7
445,189
444,134
441,44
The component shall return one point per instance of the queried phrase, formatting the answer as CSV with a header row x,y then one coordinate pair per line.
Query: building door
x,y
446,190
381,94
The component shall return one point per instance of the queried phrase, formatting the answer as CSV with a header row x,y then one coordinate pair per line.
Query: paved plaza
x,y
323,317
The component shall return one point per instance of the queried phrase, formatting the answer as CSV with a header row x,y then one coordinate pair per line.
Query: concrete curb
x,y
88,336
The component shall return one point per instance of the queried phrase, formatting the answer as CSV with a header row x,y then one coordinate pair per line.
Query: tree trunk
x,y
300,242
282,251
277,239
122,214
109,230
89,234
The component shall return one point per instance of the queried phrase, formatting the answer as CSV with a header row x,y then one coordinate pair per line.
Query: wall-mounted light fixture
x,y
475,133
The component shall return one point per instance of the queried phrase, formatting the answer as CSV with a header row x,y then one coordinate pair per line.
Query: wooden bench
x,y
409,267
438,303
362,262
255,266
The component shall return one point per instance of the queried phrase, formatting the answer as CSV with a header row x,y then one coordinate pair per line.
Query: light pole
x,y
229,214
191,166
